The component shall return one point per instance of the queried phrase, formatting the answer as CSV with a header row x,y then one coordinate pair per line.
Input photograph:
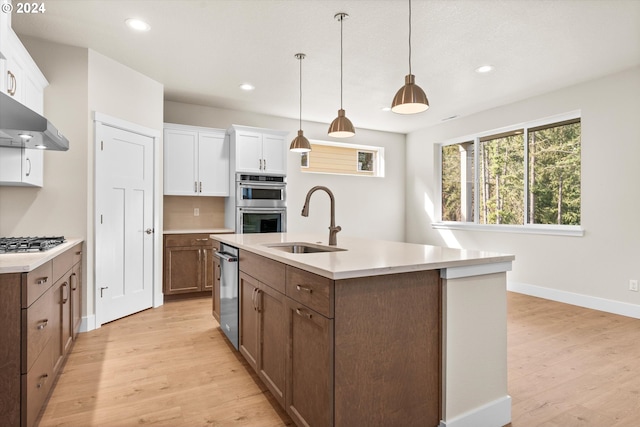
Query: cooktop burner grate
x,y
29,244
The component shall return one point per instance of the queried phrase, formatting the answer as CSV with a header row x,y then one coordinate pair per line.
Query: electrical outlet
x,y
633,285
196,211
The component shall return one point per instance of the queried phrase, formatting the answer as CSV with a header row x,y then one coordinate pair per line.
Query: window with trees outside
x,y
528,175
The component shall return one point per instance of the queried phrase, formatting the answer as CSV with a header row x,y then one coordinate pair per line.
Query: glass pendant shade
x,y
300,143
341,127
410,99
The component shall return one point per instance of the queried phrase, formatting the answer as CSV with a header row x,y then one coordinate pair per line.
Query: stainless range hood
x,y
21,127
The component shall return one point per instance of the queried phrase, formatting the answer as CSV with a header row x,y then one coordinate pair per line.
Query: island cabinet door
x,y
249,319
309,395
272,340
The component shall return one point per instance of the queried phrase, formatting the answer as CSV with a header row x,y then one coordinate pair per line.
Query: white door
x,y
124,223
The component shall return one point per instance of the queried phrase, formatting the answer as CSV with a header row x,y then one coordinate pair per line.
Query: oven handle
x,y
263,184
225,256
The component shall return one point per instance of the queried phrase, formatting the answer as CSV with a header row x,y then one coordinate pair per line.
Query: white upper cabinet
x,y
21,77
20,167
22,80
196,161
258,150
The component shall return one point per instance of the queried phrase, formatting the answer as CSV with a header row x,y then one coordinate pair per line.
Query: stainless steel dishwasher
x,y
229,301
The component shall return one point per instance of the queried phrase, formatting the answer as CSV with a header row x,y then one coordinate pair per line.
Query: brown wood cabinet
x,y
188,264
216,283
262,325
38,328
361,351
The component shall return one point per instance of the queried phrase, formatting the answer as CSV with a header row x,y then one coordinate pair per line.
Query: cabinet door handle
x,y
29,163
42,380
64,288
303,313
42,280
13,84
74,280
43,324
304,289
264,162
200,186
195,186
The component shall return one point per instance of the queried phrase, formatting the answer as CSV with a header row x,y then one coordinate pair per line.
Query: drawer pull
x,y
42,280
42,380
303,313
43,324
304,289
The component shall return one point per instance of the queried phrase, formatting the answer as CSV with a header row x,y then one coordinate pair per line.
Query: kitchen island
x,y
377,333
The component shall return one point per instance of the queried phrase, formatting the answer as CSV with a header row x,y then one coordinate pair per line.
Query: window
x,y
523,176
343,159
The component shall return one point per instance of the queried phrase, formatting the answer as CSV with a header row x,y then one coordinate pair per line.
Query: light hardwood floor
x,y
171,366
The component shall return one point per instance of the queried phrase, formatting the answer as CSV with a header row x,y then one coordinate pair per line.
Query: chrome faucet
x,y
333,230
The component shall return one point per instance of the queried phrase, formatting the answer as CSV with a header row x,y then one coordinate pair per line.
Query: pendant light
x,y
300,144
410,99
341,126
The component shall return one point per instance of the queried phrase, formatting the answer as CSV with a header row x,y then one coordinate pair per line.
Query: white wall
x,y
81,81
365,206
597,265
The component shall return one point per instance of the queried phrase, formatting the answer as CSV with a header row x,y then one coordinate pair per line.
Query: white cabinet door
x,y
180,160
274,154
21,167
248,151
213,164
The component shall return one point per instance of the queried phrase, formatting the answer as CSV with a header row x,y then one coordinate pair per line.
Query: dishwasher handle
x,y
225,256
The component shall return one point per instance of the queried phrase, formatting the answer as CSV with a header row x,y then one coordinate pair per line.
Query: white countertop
x,y
23,262
199,231
364,257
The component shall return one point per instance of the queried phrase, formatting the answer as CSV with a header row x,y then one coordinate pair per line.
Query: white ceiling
x,y
202,50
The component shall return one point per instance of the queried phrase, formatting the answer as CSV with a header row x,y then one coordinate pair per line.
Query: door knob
x,y
149,231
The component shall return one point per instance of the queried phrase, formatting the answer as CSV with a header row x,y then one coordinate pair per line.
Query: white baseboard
x,y
494,414
88,323
595,303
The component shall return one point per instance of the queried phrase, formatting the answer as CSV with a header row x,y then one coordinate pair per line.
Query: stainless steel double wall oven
x,y
261,203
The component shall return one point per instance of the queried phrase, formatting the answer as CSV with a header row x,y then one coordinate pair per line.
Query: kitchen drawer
x,y
37,383
312,290
38,326
38,281
268,271
201,239
63,263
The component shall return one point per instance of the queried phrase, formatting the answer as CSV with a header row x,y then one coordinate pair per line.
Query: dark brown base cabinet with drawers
x,y
40,315
352,352
188,264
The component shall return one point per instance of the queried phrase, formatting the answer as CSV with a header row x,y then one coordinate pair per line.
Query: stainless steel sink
x,y
302,247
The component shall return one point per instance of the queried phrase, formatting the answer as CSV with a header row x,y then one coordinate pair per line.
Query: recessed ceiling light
x,y
25,136
137,24
247,86
484,69
385,108
41,146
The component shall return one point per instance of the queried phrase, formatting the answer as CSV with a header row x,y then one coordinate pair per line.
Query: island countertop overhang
x,y
370,257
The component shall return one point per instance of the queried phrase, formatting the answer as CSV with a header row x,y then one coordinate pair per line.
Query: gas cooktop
x,y
29,244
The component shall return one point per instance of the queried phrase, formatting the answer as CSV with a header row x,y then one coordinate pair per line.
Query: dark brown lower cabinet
x,y
362,351
262,332
40,315
188,264
309,397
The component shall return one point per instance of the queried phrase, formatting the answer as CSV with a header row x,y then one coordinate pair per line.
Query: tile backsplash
x,y
179,212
